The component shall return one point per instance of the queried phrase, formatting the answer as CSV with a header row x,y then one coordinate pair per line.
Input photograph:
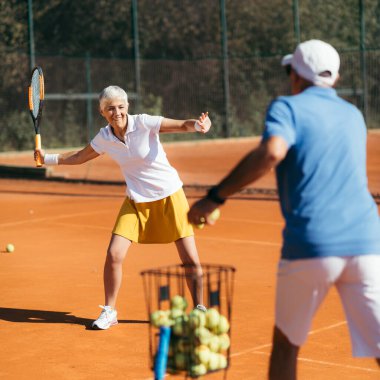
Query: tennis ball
x,y
215,215
224,342
214,343
200,226
181,327
176,313
183,345
198,370
222,361
10,248
212,318
223,325
202,334
197,318
213,362
161,318
202,354
178,302
180,360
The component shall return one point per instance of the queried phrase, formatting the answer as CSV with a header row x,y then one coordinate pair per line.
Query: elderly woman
x,y
155,208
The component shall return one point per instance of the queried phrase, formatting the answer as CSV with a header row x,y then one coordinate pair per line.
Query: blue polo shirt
x,y
322,181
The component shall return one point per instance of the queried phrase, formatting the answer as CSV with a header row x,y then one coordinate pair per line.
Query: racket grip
x,y
162,353
37,144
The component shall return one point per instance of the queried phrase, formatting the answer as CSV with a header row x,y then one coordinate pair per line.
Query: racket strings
x,y
35,92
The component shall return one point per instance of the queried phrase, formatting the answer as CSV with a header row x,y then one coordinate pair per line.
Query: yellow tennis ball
x,y
198,370
178,302
222,361
176,313
202,334
213,362
10,247
214,343
212,318
224,342
223,325
181,327
161,318
202,353
215,215
181,360
183,345
197,318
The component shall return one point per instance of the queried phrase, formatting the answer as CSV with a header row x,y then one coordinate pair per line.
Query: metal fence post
x,y
296,21
226,83
363,63
136,42
31,35
89,100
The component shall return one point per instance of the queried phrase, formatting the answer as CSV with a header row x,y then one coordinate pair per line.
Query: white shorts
x,y
303,284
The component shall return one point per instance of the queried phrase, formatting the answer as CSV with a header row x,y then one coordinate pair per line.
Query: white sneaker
x,y
107,318
201,308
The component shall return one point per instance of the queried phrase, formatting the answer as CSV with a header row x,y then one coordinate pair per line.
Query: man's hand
x,y
200,212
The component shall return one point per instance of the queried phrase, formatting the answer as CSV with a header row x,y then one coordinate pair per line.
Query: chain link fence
x,y
233,74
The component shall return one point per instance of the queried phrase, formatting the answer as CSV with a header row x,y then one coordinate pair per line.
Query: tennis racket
x,y
161,360
36,94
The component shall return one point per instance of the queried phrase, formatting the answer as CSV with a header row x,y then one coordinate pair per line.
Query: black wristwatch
x,y
212,195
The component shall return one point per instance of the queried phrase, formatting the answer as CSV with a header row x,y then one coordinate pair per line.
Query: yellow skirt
x,y
162,221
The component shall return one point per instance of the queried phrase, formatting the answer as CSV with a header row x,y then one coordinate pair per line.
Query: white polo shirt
x,y
142,159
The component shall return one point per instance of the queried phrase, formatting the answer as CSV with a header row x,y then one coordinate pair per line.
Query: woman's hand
x,y
203,124
39,153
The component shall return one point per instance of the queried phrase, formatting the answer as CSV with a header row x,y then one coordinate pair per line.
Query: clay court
x,y
51,284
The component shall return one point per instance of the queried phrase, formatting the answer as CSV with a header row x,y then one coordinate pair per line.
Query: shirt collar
x,y
131,124
321,90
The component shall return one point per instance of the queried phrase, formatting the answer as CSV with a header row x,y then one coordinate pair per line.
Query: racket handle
x,y
37,144
162,353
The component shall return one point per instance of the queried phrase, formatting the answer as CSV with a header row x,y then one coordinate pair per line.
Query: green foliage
x,y
17,132
180,59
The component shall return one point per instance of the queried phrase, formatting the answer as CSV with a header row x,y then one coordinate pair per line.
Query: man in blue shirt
x,y
317,142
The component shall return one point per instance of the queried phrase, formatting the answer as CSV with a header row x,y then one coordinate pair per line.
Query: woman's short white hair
x,y
112,92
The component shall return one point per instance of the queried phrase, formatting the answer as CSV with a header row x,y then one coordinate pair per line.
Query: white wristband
x,y
197,127
51,159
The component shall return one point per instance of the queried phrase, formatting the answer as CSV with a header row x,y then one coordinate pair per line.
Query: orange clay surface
x,y
52,283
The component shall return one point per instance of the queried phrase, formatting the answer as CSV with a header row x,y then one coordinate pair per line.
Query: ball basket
x,y
197,339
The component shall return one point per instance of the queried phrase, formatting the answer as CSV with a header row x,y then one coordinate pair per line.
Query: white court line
x,y
55,217
327,328
325,363
255,351
270,344
260,242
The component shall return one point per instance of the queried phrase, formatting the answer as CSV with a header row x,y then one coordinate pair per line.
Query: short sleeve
x,y
153,123
279,122
97,143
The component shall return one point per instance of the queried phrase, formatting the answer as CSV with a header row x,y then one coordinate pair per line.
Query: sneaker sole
x,y
96,327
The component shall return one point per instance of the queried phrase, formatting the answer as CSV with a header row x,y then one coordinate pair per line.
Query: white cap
x,y
286,60
312,58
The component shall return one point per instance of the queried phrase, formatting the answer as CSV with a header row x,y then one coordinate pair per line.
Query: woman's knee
x,y
117,250
114,257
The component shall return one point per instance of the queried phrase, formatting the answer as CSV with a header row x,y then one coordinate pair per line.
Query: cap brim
x,y
286,60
